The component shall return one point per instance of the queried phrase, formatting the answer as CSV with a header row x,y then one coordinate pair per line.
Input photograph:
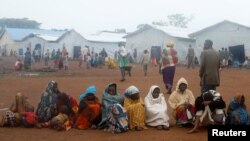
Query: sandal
x,y
159,127
165,127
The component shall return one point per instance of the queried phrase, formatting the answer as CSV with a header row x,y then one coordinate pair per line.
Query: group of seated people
x,y
117,114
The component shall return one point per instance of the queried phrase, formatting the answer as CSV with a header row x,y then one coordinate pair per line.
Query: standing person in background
x,y
135,55
145,60
122,60
169,60
27,59
46,57
190,56
209,67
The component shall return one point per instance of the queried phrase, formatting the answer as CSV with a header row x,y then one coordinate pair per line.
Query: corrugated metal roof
x,y
20,33
105,37
175,31
170,30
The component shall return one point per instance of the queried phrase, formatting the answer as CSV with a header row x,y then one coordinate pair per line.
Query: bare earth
x,y
76,80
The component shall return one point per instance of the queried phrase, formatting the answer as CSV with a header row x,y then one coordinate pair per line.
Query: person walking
x,y
169,60
190,57
209,67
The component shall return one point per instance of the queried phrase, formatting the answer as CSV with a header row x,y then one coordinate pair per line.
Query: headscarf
x,y
50,86
181,81
131,90
117,98
90,90
47,107
170,44
152,100
237,101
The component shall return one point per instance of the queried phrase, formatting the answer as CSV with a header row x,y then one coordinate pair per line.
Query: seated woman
x,y
237,113
15,115
89,112
135,109
156,109
182,101
46,109
109,98
209,109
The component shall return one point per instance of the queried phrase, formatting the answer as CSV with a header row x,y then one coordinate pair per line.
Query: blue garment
x,y
90,90
107,102
237,115
117,119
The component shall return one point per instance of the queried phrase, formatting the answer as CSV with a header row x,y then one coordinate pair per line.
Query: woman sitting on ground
x,y
237,113
89,112
182,101
135,109
47,106
109,98
156,109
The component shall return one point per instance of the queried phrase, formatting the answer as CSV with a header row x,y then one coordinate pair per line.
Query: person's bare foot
x,y
138,128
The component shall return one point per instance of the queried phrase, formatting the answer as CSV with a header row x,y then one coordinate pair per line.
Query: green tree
x,y
177,20
19,23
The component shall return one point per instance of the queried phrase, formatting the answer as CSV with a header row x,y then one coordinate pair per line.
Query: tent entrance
x,y
156,52
238,53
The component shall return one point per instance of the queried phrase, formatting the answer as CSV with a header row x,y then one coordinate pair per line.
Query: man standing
x,y
190,57
209,67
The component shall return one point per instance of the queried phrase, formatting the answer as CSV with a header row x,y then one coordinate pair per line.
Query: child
x,y
59,122
156,109
145,61
135,109
117,119
18,65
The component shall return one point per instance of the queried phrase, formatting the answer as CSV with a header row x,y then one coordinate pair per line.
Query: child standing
x,y
145,61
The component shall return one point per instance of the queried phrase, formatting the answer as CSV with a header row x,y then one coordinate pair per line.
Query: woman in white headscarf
x,y
156,109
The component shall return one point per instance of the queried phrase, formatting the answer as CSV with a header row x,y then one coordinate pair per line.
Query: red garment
x,y
30,117
88,115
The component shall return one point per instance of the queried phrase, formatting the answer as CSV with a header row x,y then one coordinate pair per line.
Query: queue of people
x,y
119,113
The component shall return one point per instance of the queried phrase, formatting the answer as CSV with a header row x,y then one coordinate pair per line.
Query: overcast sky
x,y
89,16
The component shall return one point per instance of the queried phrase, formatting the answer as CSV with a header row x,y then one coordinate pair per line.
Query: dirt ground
x,y
76,80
